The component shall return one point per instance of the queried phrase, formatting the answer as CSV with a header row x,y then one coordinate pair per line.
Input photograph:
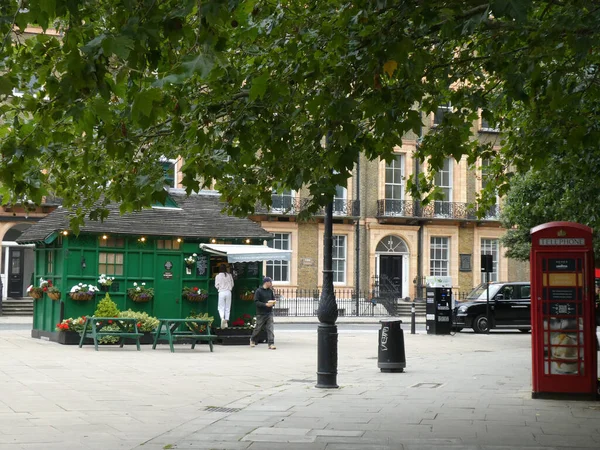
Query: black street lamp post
x,y
327,344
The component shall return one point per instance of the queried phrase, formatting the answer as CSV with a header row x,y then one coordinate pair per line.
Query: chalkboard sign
x,y
253,269
201,265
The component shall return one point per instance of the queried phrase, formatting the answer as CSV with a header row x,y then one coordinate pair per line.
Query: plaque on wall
x,y
201,265
167,275
465,262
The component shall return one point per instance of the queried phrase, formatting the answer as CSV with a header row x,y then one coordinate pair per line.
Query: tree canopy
x,y
246,90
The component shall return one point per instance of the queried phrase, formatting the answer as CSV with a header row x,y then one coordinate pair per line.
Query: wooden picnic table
x,y
175,329
125,325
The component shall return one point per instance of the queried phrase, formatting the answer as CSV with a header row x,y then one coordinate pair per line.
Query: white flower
x,y
194,254
143,284
30,288
80,284
134,283
138,289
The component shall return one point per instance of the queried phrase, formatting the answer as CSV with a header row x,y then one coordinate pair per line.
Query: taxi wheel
x,y
480,324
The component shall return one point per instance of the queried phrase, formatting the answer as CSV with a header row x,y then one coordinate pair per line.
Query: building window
x,y
282,200
339,259
439,253
110,263
169,169
394,186
442,110
491,247
50,262
486,126
493,211
339,201
111,242
443,180
167,244
279,270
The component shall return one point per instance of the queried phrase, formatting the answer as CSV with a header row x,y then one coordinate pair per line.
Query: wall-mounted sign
x,y
465,262
167,275
201,265
168,265
253,269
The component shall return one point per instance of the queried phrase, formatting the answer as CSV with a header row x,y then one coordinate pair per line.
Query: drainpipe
x,y
357,238
419,284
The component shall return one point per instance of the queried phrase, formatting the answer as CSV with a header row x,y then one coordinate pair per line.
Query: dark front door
x,y
390,275
15,272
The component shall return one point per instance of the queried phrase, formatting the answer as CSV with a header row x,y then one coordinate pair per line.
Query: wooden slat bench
x,y
94,325
168,328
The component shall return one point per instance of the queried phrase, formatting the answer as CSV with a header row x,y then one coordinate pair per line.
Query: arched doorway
x,y
391,267
17,263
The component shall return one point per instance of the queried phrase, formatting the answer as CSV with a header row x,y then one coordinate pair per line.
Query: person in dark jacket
x,y
264,299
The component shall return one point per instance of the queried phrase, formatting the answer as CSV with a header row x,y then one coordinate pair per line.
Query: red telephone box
x,y
563,323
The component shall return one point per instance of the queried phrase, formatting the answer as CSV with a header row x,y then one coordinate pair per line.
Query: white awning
x,y
247,253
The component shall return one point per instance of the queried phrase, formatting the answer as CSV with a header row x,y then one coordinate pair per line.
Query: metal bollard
x,y
413,318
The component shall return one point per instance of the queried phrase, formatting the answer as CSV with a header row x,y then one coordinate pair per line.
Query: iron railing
x,y
305,303
291,206
436,209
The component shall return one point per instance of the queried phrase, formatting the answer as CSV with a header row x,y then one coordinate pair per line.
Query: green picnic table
x,y
175,329
125,325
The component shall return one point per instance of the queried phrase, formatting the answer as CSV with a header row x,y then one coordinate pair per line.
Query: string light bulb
x,y
248,241
213,241
105,237
65,233
179,240
143,239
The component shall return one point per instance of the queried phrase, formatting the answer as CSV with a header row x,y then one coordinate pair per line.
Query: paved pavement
x,y
465,391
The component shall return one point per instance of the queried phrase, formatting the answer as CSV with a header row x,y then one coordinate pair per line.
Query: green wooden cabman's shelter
x,y
150,247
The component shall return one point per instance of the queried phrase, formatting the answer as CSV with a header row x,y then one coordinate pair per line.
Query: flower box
x,y
247,297
81,296
237,336
141,298
73,337
36,293
193,297
54,295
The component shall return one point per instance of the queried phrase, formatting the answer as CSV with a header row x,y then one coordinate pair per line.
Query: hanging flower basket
x,y
54,295
81,296
247,297
141,298
36,293
196,297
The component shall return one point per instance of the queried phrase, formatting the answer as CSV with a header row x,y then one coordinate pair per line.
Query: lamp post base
x,y
327,355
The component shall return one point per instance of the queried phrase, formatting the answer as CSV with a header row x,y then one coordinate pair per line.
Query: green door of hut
x,y
167,295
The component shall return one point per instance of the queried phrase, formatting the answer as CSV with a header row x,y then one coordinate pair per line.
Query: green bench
x,y
170,329
93,326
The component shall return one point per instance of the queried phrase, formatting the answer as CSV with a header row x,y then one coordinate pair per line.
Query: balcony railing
x,y
291,206
436,209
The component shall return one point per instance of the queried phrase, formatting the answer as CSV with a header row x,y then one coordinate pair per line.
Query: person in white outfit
x,y
224,284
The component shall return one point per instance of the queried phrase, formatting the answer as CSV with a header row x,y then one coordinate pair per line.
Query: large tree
x,y
255,93
556,193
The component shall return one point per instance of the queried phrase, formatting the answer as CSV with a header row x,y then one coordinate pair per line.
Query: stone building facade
x,y
383,237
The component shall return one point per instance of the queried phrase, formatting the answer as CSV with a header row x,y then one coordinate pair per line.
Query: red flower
x,y
196,289
110,322
49,283
238,323
83,317
247,316
139,324
45,289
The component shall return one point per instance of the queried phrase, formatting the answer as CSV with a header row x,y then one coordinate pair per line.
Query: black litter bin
x,y
391,357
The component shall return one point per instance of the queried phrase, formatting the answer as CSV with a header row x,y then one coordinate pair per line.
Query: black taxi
x,y
510,307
